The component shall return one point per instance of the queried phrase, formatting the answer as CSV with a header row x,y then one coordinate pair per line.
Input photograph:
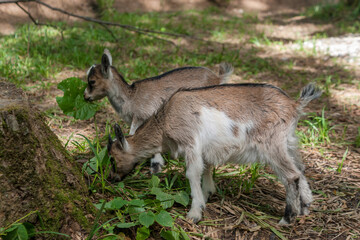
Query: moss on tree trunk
x,y
36,172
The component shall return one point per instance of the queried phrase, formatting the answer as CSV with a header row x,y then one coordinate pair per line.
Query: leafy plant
x,y
24,231
21,231
318,130
73,103
99,166
248,184
145,210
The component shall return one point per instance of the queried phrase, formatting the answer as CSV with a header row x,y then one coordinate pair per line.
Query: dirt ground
x,y
336,206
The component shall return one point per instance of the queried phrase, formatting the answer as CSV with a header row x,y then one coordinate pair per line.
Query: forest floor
x,y
287,49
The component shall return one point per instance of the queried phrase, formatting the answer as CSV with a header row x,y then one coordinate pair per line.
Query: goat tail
x,y
225,71
308,93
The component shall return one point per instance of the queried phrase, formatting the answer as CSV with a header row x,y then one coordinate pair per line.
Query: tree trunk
x,y
36,172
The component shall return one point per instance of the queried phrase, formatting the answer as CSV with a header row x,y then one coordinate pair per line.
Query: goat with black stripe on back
x,y
210,126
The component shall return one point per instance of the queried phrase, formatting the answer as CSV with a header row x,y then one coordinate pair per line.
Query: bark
x,y
36,172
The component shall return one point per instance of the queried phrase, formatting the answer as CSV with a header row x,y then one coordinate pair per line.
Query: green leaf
x,y
134,212
99,205
19,233
103,156
117,203
156,190
170,235
154,182
93,164
142,233
126,225
164,219
137,202
30,229
147,218
111,238
182,198
90,165
166,199
73,103
184,235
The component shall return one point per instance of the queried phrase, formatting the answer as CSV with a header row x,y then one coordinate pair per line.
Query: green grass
x,y
35,53
318,132
333,11
343,15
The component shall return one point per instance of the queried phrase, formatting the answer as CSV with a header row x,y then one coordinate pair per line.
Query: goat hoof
x,y
194,220
305,208
194,216
283,222
155,167
305,211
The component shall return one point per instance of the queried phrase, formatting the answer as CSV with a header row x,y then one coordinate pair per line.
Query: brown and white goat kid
x,y
137,102
210,126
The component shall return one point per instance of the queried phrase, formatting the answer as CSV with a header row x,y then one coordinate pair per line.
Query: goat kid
x,y
210,126
137,102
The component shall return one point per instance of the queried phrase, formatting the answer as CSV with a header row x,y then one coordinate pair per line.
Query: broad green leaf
x,y
117,203
164,219
137,202
182,198
156,190
166,199
90,166
170,235
142,233
147,218
154,182
93,164
19,233
134,212
30,229
103,156
126,225
13,227
98,205
73,103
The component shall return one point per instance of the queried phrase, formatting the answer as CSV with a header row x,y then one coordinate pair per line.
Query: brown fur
x,y
199,124
137,102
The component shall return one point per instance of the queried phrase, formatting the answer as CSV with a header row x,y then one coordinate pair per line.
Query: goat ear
x,y
120,136
106,62
110,142
107,53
